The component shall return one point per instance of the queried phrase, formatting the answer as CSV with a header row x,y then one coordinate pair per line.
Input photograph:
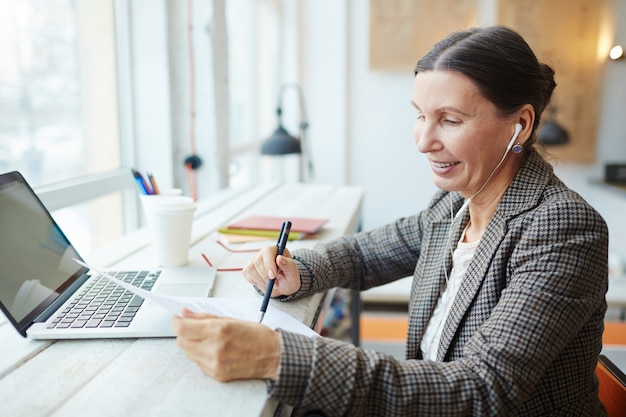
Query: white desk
x,y
140,377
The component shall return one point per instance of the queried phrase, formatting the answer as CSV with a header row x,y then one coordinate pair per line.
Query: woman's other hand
x,y
228,349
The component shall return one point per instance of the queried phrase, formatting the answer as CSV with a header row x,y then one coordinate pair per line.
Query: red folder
x,y
306,225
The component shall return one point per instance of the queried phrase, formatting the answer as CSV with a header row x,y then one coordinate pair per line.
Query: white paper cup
x,y
169,219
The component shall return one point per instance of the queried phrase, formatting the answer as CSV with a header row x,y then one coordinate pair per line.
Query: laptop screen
x,y
35,256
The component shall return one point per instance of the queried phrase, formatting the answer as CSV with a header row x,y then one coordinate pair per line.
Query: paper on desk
x,y
245,308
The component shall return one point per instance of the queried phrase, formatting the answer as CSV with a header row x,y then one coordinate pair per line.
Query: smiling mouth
x,y
444,164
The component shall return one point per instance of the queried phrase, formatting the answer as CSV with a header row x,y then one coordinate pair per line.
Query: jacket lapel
x,y
472,282
426,291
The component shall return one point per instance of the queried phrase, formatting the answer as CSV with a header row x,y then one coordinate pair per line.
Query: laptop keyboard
x,y
101,303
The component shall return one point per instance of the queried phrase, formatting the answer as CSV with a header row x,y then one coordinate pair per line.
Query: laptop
x,y
46,294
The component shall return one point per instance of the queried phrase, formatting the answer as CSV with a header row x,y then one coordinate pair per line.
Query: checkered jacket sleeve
x,y
523,334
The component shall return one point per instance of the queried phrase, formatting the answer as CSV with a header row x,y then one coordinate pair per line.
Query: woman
x,y
509,265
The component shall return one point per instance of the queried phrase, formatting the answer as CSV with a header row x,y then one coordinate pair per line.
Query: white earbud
x,y
517,148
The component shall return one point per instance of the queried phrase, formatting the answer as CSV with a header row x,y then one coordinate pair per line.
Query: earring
x,y
517,148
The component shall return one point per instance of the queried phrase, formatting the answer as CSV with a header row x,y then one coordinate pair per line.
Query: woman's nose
x,y
425,137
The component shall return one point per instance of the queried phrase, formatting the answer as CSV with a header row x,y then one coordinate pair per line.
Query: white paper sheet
x,y
244,308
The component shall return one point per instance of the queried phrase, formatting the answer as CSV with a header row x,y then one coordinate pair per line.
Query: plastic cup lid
x,y
169,202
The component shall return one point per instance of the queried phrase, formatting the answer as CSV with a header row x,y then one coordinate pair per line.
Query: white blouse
x,y
461,258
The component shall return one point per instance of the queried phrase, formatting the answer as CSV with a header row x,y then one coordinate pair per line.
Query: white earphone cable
x,y
453,217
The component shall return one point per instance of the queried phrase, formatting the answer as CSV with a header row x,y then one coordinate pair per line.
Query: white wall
x,y
384,155
369,140
323,73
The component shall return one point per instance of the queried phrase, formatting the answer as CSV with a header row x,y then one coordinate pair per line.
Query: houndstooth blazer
x,y
523,335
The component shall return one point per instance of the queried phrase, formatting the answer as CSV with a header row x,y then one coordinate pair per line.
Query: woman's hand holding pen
x,y
266,265
228,349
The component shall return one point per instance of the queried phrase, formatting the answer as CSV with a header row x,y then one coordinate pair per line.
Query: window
x,y
236,59
58,103
94,87
58,111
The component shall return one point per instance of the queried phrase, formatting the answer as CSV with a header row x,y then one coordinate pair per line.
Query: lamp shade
x,y
281,143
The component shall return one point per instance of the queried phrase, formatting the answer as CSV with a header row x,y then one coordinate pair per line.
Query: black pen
x,y
282,242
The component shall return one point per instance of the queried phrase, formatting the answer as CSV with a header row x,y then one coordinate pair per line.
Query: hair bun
x,y
549,83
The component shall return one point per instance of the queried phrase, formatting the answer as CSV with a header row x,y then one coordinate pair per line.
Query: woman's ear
x,y
526,118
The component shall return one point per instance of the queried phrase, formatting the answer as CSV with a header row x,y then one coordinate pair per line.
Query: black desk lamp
x,y
281,142
552,133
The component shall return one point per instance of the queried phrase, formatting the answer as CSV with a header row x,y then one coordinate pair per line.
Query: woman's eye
x,y
451,122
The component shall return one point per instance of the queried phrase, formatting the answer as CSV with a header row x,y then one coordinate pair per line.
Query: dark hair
x,y
501,63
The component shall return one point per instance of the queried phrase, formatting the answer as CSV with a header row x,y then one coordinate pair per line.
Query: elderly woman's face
x,y
458,130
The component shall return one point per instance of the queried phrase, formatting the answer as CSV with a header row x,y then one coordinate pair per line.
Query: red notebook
x,y
298,224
